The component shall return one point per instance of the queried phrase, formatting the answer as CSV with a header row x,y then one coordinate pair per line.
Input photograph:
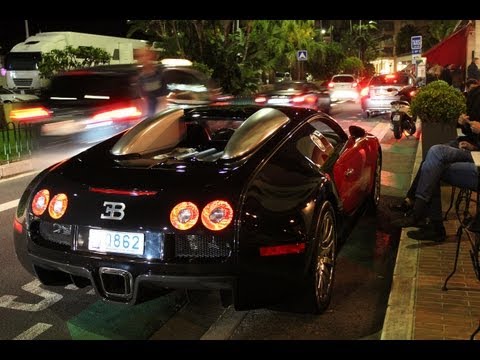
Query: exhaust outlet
x,y
116,282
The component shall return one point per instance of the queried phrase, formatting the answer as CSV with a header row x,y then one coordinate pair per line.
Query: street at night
x,y
365,264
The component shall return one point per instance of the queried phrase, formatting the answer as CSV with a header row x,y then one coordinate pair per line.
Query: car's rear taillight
x,y
260,99
364,91
330,84
217,215
184,215
121,113
58,206
354,85
34,113
40,202
307,99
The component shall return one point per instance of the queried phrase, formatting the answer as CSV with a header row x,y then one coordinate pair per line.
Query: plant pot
x,y
436,133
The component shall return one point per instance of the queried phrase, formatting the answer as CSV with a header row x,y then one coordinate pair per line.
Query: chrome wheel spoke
x,y
325,258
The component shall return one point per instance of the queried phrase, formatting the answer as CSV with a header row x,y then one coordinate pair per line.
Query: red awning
x,y
452,50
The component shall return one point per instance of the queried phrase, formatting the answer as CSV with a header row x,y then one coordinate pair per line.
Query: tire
x,y
374,197
321,275
413,127
366,114
397,131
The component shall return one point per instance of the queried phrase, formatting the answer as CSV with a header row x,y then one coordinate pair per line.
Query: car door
x,y
351,174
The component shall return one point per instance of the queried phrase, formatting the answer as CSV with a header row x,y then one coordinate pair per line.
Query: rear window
x,y
91,87
389,80
343,79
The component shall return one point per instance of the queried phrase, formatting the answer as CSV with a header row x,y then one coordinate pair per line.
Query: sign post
x,y
416,46
302,55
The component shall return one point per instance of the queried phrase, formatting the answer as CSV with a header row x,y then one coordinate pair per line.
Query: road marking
x,y
380,130
33,332
49,298
19,176
9,205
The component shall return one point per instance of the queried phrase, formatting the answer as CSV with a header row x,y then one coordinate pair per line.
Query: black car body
x,y
97,102
296,93
249,200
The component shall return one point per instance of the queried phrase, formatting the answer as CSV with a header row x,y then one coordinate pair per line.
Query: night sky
x,y
13,31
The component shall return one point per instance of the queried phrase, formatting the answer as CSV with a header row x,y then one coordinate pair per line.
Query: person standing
x,y
472,71
150,80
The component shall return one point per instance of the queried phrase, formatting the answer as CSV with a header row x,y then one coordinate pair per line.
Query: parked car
x,y
297,93
343,87
107,99
9,96
282,76
252,201
377,96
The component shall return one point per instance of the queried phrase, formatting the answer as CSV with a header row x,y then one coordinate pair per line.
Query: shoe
x,y
408,221
432,232
405,206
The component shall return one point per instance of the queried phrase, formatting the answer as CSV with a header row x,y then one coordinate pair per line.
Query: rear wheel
x,y
412,128
322,269
374,197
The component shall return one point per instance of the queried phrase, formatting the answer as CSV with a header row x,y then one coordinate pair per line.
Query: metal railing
x,y
18,141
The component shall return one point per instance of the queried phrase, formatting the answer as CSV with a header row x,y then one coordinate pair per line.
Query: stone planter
x,y
436,133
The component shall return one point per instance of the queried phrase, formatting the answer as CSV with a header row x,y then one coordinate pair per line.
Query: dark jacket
x,y
473,72
473,111
446,76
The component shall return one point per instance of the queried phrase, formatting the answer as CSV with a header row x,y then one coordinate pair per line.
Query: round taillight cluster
x,y
184,215
56,206
216,215
40,202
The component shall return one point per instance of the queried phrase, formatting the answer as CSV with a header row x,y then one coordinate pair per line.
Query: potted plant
x,y
438,106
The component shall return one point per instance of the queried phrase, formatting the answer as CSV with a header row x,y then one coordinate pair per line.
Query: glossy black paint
x,y
276,194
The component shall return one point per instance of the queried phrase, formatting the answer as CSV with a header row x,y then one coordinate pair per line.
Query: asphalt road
x,y
31,311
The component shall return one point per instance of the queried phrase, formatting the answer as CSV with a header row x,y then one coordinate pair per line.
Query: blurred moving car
x,y
9,96
297,93
107,99
252,201
377,96
282,76
343,87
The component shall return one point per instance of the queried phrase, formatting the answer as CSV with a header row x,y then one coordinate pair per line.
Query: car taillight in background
x,y
307,99
331,84
29,114
118,113
354,84
260,99
364,91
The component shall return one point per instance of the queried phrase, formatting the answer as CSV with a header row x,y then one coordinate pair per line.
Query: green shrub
x,y
438,102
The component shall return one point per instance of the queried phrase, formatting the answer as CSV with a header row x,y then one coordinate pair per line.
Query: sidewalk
x,y
418,309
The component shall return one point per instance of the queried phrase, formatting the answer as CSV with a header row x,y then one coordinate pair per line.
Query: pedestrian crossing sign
x,y
302,55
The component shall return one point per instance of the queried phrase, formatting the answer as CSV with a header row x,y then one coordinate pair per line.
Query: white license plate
x,y
116,242
278,101
396,117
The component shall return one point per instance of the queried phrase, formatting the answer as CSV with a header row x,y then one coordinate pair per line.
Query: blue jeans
x,y
152,105
452,165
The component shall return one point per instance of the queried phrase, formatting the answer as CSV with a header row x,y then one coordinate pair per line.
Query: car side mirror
x,y
356,131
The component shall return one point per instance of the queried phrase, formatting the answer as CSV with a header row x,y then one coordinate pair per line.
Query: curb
x,y
15,168
223,328
399,317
